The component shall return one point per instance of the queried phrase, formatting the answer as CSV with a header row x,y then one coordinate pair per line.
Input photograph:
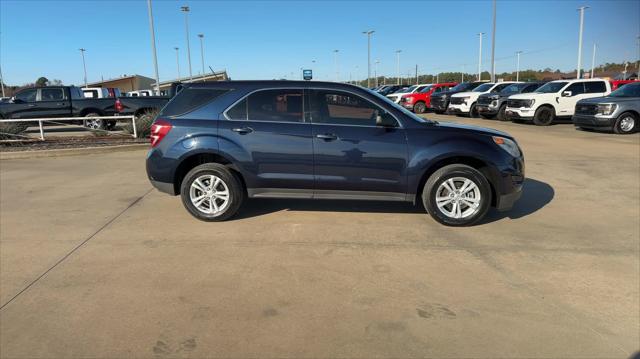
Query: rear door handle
x,y
242,130
32,105
327,137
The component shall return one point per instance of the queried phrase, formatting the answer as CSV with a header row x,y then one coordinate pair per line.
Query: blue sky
x,y
269,39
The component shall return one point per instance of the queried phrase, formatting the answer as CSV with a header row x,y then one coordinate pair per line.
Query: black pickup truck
x,y
58,101
145,105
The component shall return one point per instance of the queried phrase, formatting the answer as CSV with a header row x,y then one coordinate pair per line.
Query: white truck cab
x,y
465,102
396,96
554,99
139,93
95,92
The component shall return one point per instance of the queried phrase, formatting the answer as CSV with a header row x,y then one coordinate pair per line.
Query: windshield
x,y
426,89
408,89
511,89
483,87
551,87
400,108
629,90
463,86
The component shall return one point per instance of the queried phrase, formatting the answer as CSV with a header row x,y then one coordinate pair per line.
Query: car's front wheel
x,y
501,113
457,195
210,192
419,107
473,111
544,116
626,123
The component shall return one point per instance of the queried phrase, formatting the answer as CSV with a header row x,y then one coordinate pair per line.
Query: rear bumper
x,y
592,121
164,187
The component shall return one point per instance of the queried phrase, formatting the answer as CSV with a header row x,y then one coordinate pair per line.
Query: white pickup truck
x,y
464,103
554,99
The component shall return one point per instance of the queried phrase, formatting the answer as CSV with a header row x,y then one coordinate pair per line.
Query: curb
x,y
16,155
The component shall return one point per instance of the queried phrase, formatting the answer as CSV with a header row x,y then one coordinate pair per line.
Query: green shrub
x,y
143,124
12,128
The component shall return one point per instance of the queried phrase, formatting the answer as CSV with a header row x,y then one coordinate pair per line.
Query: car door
x,y
595,89
354,157
24,104
266,133
567,101
53,102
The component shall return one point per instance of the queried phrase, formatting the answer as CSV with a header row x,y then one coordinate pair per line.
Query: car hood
x,y
474,129
525,96
609,99
466,93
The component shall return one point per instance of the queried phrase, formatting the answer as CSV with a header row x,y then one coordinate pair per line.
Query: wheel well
x,y
87,111
546,105
635,113
469,161
190,162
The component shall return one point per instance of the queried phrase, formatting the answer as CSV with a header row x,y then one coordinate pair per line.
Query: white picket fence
x,y
60,120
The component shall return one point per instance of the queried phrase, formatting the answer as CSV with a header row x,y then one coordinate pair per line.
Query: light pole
x,y
186,10
375,71
493,45
398,65
480,56
84,65
638,62
335,57
153,47
1,81
518,65
593,60
177,60
201,36
581,9
368,33
624,73
462,77
416,74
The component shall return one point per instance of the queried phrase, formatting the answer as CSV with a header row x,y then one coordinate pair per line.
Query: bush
x,y
143,124
12,128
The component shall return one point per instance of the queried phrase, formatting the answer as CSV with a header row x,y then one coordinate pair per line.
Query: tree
x,y
42,81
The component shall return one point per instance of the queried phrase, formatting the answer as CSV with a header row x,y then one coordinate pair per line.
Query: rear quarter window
x,y
190,99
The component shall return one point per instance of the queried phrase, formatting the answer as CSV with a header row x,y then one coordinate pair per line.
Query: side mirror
x,y
566,94
17,100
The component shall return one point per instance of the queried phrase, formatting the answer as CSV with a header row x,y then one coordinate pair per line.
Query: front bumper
x,y
508,181
593,121
519,114
462,108
486,110
438,104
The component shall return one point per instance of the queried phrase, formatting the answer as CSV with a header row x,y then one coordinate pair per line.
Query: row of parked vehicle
x,y
589,103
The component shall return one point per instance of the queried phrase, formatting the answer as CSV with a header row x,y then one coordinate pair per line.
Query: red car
x,y
419,102
617,83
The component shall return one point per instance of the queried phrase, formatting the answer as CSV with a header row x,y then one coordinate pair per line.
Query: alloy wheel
x,y
458,197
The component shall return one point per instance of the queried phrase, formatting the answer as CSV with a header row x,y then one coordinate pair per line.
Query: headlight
x,y
529,103
408,99
465,98
606,109
494,103
508,145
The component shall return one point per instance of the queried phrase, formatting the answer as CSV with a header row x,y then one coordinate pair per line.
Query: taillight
x,y
119,106
159,129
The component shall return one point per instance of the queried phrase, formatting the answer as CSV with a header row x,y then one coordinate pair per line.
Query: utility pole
x,y
375,71
335,54
638,61
201,36
398,65
480,56
186,10
84,65
624,73
177,61
493,45
518,65
153,47
416,74
593,60
368,33
1,81
438,78
579,69
462,79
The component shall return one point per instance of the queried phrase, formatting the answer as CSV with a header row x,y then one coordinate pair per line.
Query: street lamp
x,y
375,71
398,65
593,60
581,9
177,60
518,65
493,45
201,36
335,55
153,46
186,10
480,56
368,33
84,65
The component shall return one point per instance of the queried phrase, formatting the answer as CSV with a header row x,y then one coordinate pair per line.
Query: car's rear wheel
x,y
94,124
473,111
501,113
626,123
457,195
419,107
544,116
210,192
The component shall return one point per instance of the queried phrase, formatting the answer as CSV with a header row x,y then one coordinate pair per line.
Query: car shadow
x,y
536,194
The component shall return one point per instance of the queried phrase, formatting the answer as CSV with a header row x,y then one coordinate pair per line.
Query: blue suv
x,y
216,144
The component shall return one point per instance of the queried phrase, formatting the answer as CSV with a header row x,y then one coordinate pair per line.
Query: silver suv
x,y
619,111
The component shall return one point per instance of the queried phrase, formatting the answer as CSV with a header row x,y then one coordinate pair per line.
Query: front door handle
x,y
327,137
242,130
32,105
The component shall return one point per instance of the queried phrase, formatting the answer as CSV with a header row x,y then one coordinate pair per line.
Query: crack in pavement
x,y
76,248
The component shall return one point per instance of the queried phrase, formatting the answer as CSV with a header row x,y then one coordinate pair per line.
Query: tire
x,y
626,123
473,112
501,113
94,124
544,116
436,186
419,107
227,183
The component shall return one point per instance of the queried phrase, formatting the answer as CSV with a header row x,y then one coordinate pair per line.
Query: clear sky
x,y
269,39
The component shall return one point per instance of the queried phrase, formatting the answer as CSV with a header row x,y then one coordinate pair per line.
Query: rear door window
x,y
55,94
190,99
595,87
275,106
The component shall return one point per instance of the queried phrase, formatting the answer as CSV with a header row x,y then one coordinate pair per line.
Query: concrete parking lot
x,y
95,263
